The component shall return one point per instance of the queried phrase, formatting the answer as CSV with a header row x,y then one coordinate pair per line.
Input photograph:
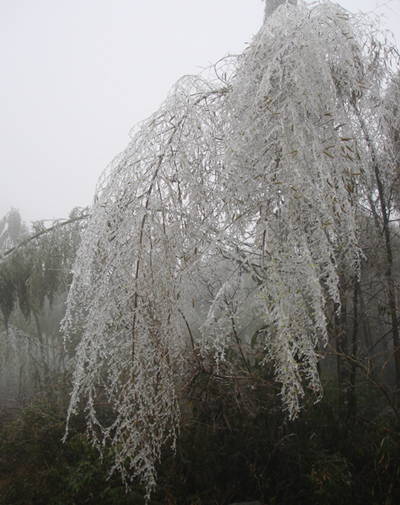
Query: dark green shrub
x,y
36,467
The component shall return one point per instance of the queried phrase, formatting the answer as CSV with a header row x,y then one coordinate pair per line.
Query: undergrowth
x,y
235,445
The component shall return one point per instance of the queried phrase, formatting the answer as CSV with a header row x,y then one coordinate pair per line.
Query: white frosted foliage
x,y
238,199
134,274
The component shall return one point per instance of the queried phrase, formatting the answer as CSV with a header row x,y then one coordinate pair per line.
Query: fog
x,y
77,75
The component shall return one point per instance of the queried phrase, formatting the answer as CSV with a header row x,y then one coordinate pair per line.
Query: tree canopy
x,y
231,222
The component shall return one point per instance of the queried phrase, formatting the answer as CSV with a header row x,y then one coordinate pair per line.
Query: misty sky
x,y
77,75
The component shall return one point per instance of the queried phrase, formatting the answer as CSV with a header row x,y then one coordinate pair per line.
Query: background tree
x,y
35,273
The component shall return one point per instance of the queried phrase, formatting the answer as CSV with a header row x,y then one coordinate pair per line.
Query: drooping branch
x,y
140,242
26,241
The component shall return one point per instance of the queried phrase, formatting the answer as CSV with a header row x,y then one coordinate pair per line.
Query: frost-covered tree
x,y
242,193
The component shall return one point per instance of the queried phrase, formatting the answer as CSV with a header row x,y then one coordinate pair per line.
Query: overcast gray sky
x,y
77,75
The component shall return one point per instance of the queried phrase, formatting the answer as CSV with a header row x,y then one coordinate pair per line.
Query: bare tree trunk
x,y
42,349
342,365
353,353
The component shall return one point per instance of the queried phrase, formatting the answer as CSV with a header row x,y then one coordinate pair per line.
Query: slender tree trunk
x,y
353,350
341,353
42,349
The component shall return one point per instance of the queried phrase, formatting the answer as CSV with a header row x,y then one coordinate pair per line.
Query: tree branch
x,y
40,233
